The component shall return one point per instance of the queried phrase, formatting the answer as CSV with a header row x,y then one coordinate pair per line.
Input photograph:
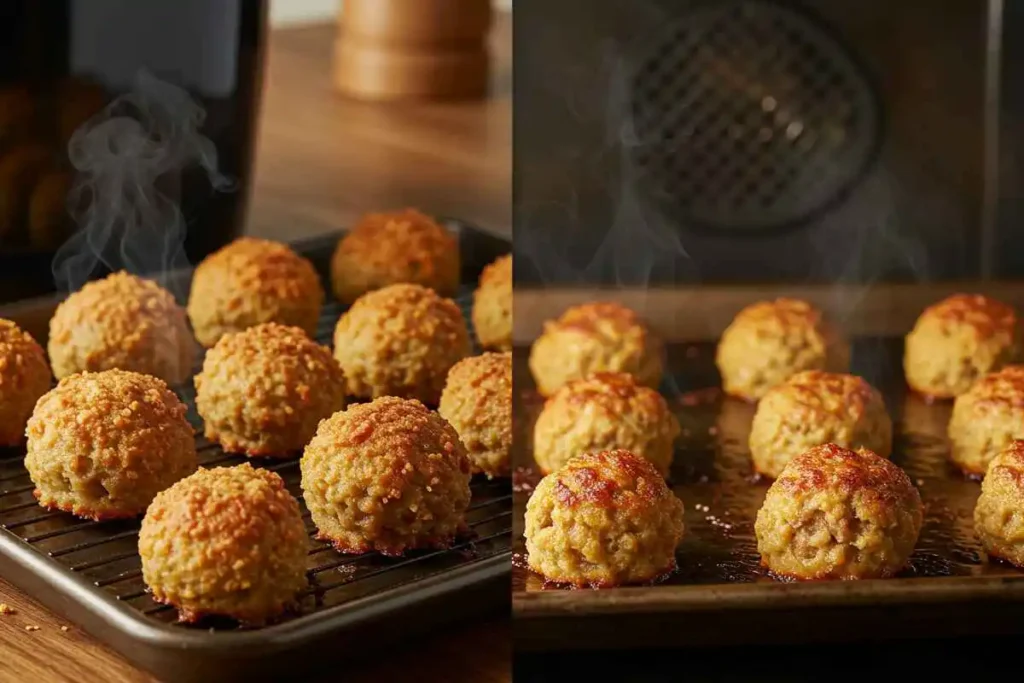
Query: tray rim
x,y
95,609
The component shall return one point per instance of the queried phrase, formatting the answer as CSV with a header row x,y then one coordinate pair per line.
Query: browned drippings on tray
x,y
712,474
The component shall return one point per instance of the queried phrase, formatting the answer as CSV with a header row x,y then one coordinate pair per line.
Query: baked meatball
x,y
253,281
986,419
227,541
400,341
477,401
770,341
123,322
102,444
812,408
24,377
389,248
998,521
838,514
603,519
263,391
958,340
605,411
492,305
595,337
389,476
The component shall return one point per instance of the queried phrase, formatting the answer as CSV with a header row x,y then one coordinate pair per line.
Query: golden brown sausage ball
x,y
227,541
400,341
253,281
987,418
770,341
837,514
390,248
595,337
958,340
101,445
605,411
492,305
998,518
264,390
124,322
24,378
603,519
477,401
812,408
389,476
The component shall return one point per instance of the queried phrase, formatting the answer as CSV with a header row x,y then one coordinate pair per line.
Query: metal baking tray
x,y
90,572
719,594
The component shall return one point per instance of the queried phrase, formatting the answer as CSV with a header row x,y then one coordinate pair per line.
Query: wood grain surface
x,y
322,161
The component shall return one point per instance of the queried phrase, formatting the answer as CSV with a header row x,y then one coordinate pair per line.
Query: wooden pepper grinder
x,y
413,49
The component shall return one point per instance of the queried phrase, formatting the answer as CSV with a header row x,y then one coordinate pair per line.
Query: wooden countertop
x,y
322,161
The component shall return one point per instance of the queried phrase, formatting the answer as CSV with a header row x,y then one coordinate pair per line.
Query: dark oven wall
x,y
751,141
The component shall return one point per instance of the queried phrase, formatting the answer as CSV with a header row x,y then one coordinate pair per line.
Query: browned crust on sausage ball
x,y
492,305
253,281
401,341
390,248
227,541
24,378
987,418
958,340
998,521
601,336
264,390
389,476
123,322
477,401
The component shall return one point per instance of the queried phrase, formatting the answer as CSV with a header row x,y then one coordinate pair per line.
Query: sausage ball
x,y
101,445
253,281
770,341
986,419
595,337
123,322
400,341
958,340
997,516
477,401
389,476
492,305
605,411
24,377
837,514
227,541
603,519
263,391
390,248
812,408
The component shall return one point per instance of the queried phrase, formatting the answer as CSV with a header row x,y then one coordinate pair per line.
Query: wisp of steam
x,y
129,159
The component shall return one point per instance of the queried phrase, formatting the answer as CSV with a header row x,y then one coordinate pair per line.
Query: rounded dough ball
x,y
24,378
122,322
101,445
837,514
998,521
390,248
605,411
603,519
253,281
389,476
492,305
400,341
770,341
958,340
595,337
477,401
813,408
227,541
263,391
986,418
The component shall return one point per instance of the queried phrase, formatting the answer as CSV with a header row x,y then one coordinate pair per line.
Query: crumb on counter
x,y
64,629
6,610
31,628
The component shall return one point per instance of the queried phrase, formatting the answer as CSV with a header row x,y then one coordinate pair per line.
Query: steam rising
x,y
129,160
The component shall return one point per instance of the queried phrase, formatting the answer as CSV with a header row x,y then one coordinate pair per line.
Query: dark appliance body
x,y
675,141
